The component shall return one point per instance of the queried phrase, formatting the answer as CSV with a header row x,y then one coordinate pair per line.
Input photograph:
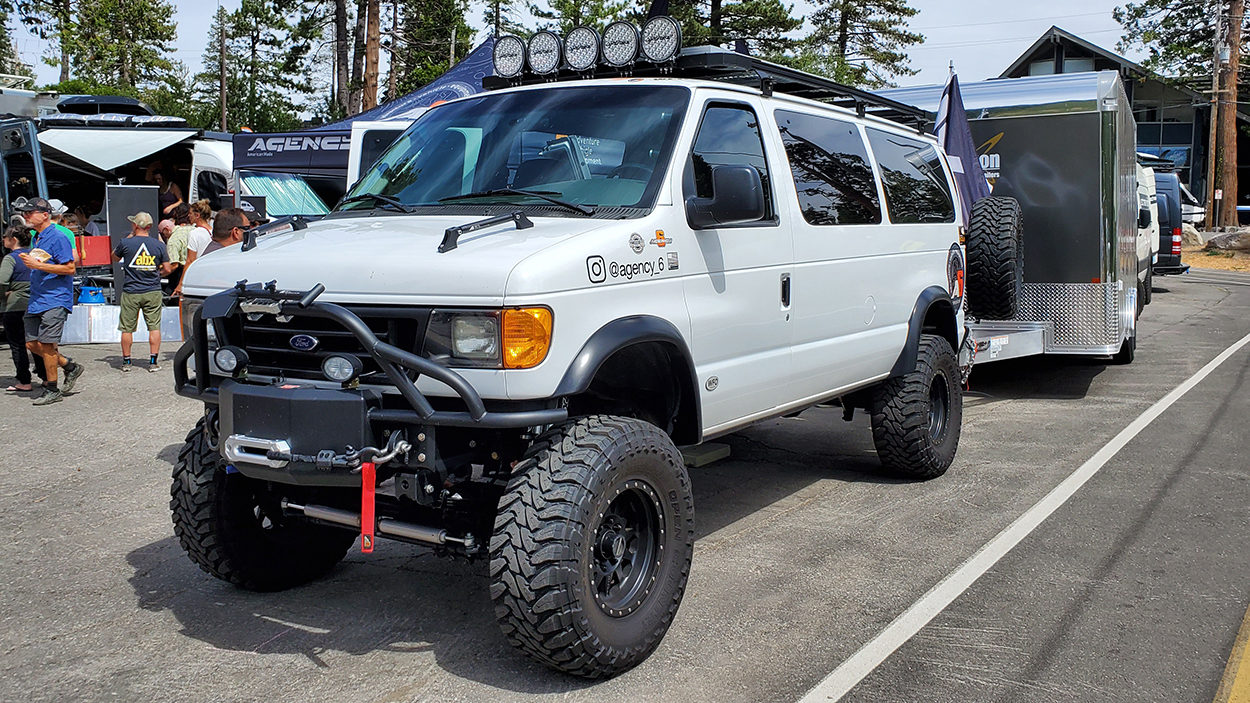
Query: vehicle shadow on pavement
x,y
403,600
1041,378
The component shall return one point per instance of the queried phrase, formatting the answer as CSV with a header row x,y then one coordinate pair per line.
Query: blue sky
x,y
982,37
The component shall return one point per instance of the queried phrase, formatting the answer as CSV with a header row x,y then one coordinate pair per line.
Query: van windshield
x,y
605,147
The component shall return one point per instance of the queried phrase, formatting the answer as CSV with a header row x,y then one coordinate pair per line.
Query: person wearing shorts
x,y
51,264
144,259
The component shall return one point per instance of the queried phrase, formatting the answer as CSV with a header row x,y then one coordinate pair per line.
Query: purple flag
x,y
951,128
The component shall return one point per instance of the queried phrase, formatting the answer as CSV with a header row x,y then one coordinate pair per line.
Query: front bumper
x,y
312,421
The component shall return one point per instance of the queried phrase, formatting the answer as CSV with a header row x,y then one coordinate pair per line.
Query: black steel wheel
x,y
592,545
233,527
916,417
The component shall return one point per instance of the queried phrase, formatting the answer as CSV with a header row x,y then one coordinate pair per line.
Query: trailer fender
x,y
934,313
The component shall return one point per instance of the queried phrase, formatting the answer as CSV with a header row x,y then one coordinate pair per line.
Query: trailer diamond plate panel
x,y
1084,314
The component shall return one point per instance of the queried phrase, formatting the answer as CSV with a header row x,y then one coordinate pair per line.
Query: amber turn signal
x,y
526,337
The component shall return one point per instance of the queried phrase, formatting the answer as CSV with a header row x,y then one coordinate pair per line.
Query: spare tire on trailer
x,y
995,259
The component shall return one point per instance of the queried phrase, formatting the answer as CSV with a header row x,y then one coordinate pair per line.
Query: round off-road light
x,y
230,359
661,39
620,44
341,367
509,56
544,53
581,48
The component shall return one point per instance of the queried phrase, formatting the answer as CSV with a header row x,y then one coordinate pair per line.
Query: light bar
x,y
581,48
509,56
544,53
661,39
620,44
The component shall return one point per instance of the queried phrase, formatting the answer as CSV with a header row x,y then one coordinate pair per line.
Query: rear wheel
x,y
592,545
1148,288
916,417
234,529
995,258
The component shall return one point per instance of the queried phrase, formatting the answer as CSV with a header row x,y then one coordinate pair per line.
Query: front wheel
x,y
916,417
232,527
592,545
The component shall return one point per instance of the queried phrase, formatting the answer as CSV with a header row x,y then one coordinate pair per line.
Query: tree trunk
x,y
1228,117
844,32
369,96
222,18
341,53
393,67
63,40
358,56
714,21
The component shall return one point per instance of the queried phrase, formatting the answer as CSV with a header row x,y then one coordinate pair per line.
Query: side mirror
x,y
737,198
1143,218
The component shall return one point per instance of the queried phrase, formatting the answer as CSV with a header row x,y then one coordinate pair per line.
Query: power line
x,y
983,42
986,24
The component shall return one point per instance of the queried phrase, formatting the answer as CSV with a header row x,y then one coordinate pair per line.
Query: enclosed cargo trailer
x,y
1064,147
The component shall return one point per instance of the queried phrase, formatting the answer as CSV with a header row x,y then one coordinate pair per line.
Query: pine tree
x,y
503,17
562,16
123,44
763,24
10,63
424,52
859,42
1177,35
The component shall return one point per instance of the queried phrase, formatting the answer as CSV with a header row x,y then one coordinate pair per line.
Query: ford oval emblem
x,y
304,342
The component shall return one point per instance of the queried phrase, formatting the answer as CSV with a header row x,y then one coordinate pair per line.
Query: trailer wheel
x,y
592,545
916,417
995,258
1148,287
1127,351
232,529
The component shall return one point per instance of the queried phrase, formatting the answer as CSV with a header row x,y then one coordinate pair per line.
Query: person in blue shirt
x,y
51,297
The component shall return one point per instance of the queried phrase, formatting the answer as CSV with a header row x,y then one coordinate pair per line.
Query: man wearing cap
x,y
51,297
144,259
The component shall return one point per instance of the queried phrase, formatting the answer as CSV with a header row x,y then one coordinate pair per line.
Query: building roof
x,y
1055,35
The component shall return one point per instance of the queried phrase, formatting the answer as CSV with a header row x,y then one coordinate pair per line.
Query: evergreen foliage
x,y
858,42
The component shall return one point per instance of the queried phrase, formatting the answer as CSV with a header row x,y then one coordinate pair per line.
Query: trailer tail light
x,y
1176,241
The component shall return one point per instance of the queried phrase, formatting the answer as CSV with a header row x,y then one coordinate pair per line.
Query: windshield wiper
x,y
379,199
541,195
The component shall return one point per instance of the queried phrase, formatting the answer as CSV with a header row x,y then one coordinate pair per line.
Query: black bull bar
x,y
393,361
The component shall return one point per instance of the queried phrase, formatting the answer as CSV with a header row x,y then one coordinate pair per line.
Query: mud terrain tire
x,y
592,545
916,417
995,259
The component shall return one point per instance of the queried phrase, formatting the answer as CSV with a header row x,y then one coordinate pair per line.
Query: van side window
x,y
212,187
915,185
829,163
728,136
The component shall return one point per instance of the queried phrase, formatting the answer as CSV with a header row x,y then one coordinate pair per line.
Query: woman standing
x,y
199,237
170,195
14,294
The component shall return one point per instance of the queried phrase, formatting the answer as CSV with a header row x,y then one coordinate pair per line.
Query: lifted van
x,y
496,343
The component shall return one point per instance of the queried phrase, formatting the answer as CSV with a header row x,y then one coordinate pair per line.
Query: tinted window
x,y
373,142
728,136
830,167
211,187
915,185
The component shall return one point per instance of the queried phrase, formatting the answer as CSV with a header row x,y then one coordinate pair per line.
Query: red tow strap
x,y
368,477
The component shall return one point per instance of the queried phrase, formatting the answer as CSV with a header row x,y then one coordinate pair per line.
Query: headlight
x,y
494,339
509,56
341,367
544,53
620,44
475,337
581,48
661,39
230,359
526,337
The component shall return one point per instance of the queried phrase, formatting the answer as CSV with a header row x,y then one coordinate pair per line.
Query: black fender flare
x,y
929,297
622,333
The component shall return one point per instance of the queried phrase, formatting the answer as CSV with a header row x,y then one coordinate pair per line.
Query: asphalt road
x,y
1132,591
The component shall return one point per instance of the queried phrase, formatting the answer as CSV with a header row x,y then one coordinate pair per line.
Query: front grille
x,y
268,341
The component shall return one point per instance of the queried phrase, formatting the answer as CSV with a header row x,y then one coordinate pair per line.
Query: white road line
x,y
860,664
1215,281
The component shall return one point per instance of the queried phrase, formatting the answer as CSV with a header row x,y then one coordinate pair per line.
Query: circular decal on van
x,y
636,243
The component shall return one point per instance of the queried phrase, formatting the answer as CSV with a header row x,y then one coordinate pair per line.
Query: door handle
x,y
785,290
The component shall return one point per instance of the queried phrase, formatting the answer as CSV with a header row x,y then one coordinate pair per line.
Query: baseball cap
x,y
32,205
165,226
142,219
58,207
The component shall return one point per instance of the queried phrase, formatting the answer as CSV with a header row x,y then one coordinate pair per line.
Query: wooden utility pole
x,y
373,41
1228,116
1213,124
222,77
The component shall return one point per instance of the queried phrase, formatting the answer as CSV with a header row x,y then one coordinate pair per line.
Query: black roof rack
x,y
715,63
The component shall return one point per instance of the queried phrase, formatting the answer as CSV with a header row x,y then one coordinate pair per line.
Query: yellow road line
x,y
1235,686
